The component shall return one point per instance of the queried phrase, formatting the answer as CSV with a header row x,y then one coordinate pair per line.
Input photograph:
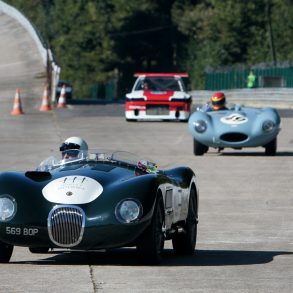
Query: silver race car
x,y
237,127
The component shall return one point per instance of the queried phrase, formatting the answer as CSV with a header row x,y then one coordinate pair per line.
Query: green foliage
x,y
100,40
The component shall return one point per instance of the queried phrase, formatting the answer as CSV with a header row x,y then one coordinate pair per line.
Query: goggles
x,y
70,149
70,153
218,103
69,146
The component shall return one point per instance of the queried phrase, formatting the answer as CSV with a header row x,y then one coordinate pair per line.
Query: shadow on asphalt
x,y
256,154
128,257
93,101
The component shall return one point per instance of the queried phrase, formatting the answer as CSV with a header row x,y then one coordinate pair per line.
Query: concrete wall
x,y
259,97
23,58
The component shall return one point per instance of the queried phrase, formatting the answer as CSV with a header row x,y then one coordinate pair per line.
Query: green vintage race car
x,y
99,200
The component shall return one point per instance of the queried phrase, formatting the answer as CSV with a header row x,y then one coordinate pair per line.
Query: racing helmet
x,y
74,145
218,101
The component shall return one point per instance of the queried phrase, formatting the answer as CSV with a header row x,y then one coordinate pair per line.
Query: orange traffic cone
x,y
62,98
45,101
17,109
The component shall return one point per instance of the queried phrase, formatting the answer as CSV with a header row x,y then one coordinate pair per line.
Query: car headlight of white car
x,y
128,211
268,125
7,207
200,126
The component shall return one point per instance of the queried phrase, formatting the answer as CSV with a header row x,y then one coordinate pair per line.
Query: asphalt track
x,y
245,233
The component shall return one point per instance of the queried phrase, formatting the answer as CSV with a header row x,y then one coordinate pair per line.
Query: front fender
x,y
142,188
31,204
258,136
196,116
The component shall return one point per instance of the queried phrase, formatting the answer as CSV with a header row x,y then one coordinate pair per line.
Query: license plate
x,y
157,110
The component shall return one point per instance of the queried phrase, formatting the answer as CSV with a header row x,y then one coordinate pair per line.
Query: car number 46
x,y
21,231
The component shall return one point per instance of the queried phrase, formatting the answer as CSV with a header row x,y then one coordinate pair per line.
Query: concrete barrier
x,y
23,57
281,98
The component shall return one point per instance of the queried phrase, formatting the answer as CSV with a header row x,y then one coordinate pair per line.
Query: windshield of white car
x,y
159,84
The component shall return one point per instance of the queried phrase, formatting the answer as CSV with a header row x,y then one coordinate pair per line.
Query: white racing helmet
x,y
74,143
74,148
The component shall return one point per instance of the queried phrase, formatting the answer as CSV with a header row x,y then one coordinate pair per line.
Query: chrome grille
x,y
66,225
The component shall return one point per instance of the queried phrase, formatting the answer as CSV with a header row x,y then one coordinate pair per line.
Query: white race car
x,y
158,96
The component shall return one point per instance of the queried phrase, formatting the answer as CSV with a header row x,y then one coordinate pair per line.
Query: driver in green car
x,y
71,147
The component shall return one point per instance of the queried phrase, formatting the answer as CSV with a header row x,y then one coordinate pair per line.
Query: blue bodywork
x,y
236,127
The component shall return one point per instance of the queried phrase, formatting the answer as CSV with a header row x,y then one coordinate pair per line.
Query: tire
x,y
5,252
198,148
38,249
271,148
151,243
184,243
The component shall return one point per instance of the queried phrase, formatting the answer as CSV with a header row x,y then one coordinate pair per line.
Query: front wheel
x,y
5,252
271,148
198,148
184,243
151,244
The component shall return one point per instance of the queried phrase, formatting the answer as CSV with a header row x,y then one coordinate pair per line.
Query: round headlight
x,y
7,207
200,126
268,126
128,210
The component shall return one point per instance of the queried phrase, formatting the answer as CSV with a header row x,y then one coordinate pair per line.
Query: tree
x,y
97,40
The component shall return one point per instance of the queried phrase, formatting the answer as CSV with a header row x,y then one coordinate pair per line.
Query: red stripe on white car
x,y
155,96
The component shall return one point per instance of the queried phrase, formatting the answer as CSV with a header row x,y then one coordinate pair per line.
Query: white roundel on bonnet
x,y
234,118
72,190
